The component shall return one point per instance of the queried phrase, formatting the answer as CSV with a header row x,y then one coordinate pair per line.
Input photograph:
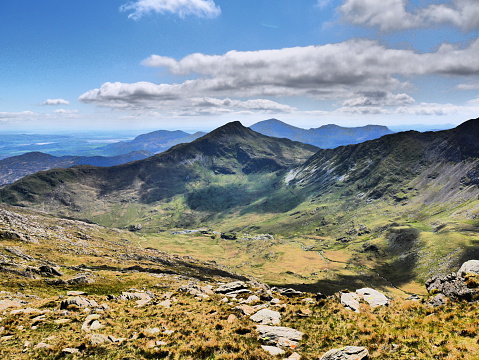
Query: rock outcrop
x,y
456,286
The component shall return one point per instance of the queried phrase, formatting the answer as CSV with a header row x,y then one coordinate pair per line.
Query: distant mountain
x,y
422,127
153,142
324,137
231,166
405,205
16,167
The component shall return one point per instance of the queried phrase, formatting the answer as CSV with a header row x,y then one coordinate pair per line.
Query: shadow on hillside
x,y
347,282
469,253
393,274
329,287
216,198
279,202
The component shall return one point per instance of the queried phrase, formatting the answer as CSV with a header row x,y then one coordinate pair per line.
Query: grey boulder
x,y
373,297
347,353
470,267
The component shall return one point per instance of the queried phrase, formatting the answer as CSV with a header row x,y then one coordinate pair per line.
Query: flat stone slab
x,y
274,335
230,287
373,297
273,350
347,353
267,317
351,301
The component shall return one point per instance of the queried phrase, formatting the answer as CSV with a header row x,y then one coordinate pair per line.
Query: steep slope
x,y
153,142
16,167
324,137
229,167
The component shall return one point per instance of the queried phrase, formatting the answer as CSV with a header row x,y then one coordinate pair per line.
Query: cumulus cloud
x,y
430,109
262,105
400,14
56,102
363,110
349,72
472,86
183,8
379,98
66,112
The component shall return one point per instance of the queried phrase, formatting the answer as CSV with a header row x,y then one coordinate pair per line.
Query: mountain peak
x,y
234,128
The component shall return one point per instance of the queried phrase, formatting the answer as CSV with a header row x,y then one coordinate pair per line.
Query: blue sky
x,y
196,64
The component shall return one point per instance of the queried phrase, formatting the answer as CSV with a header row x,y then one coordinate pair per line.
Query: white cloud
x,y
56,102
400,14
323,3
430,109
262,105
5,116
66,112
386,14
379,98
183,8
471,86
349,72
474,102
363,110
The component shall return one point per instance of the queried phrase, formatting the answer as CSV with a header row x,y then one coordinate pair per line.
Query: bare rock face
x,y
347,353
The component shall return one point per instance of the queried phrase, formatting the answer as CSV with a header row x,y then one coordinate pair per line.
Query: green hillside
x,y
393,210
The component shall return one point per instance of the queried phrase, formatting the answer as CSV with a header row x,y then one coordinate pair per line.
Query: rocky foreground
x,y
75,290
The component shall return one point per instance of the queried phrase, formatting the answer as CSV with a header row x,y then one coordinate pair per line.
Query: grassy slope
x,y
200,328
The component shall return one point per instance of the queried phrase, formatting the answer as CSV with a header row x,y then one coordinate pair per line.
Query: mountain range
x,y
386,203
324,137
151,143
16,167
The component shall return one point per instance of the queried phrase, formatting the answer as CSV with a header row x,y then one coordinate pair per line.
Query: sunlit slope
x,y
230,167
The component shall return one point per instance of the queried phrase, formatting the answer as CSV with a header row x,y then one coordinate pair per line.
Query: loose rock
x,y
78,301
230,287
350,301
293,356
273,350
347,353
470,267
267,317
273,335
373,297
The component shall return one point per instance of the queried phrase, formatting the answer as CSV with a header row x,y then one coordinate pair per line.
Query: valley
x,y
351,200
235,205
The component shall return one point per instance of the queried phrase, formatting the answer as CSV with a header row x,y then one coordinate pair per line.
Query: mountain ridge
x,y
163,175
385,203
326,136
153,142
15,167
